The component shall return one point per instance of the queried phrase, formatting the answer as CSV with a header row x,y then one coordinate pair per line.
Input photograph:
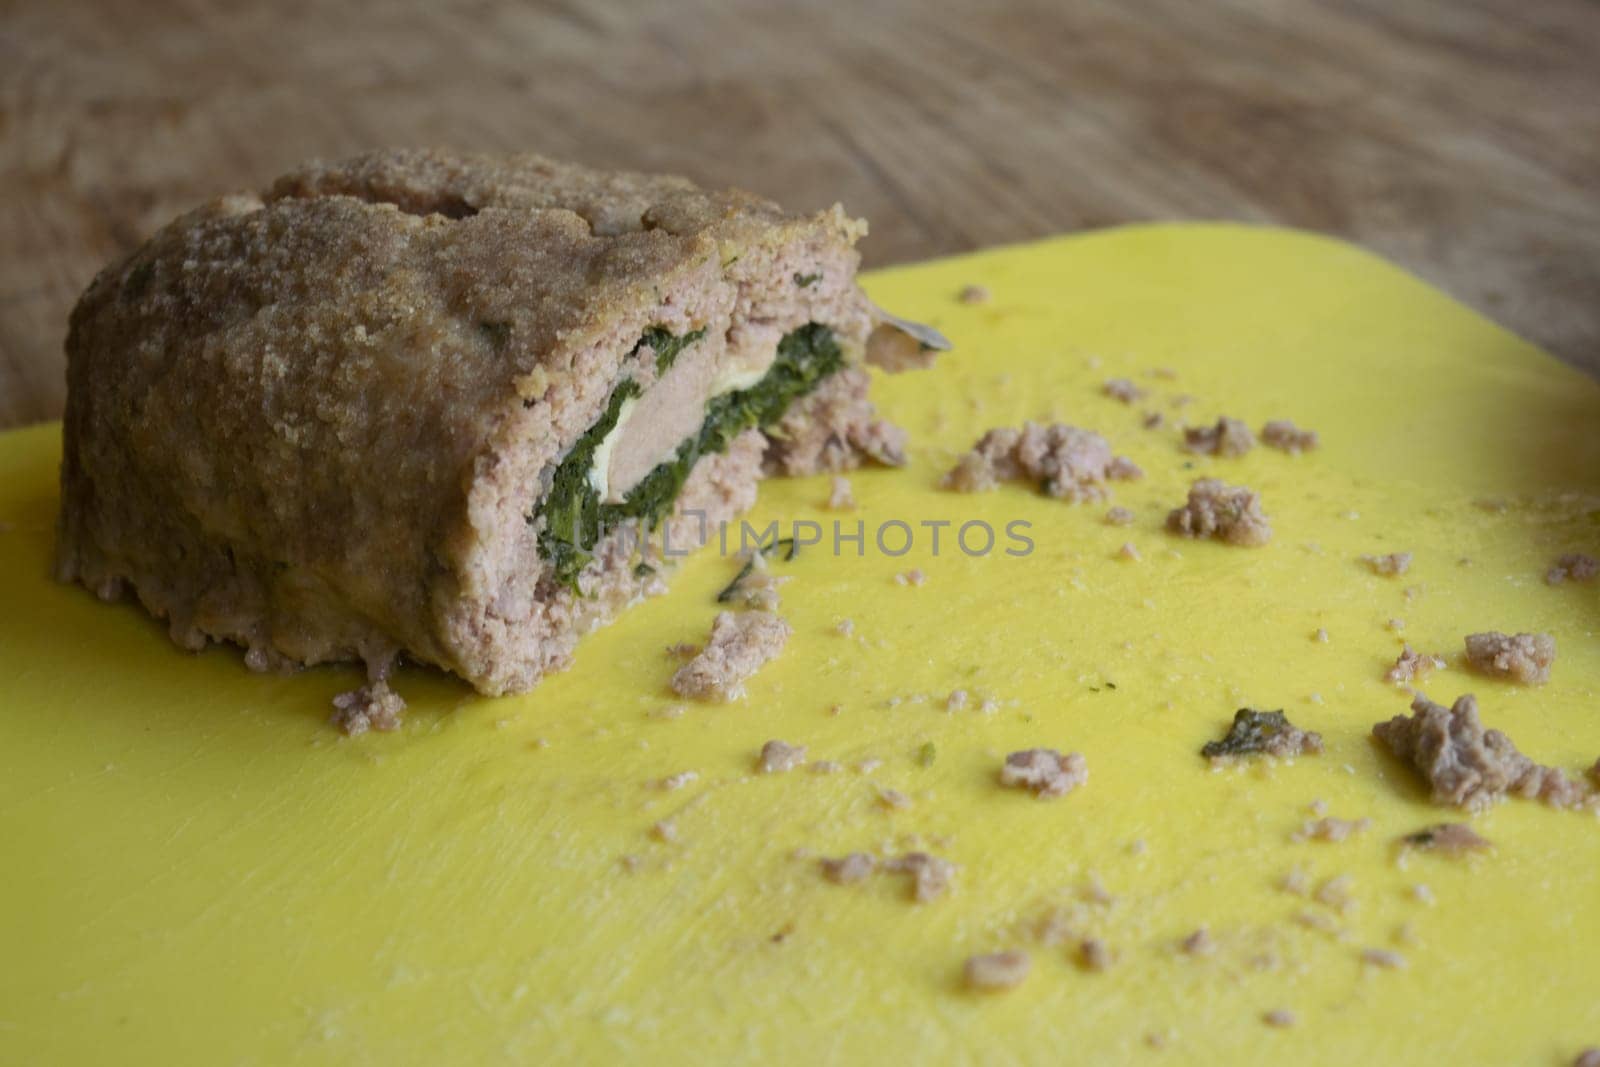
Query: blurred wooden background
x,y
1458,137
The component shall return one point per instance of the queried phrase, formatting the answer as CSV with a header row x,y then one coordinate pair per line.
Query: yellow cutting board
x,y
198,869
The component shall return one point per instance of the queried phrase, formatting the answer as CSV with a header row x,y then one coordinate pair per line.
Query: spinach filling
x,y
576,520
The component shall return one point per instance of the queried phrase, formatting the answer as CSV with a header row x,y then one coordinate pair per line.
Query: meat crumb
x,y
845,628
847,870
1448,839
1287,437
824,766
956,700
1227,513
372,707
1071,464
1199,943
665,830
1119,516
683,650
674,782
1281,1018
1386,958
1589,1057
1123,469
1573,567
1423,893
1129,552
1153,420
931,876
893,799
1045,771
996,971
974,294
1094,954
1467,765
779,756
1525,657
1229,437
742,642
1389,566
1412,664
1122,389
1296,882
914,577
840,495
1331,829
1268,732
1320,636
1336,893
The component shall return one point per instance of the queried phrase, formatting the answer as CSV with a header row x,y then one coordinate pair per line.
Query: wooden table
x,y
1459,137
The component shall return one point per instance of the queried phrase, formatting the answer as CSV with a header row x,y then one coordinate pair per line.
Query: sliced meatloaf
x,y
449,405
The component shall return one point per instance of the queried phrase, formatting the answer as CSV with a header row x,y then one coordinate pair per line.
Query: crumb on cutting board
x,y
1331,829
1122,389
1280,1018
1119,516
1386,958
1227,513
1199,943
1287,437
1412,664
1526,658
1389,566
1227,437
1466,765
1262,732
1589,1057
1045,771
931,876
841,497
778,757
913,577
742,642
372,707
1573,567
974,294
848,869
994,972
1071,464
1095,955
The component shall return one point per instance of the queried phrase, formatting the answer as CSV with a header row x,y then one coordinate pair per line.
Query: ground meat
x,y
1227,513
1589,1057
1070,463
1119,516
1447,838
996,971
1129,551
1282,1018
1153,420
1573,567
840,498
755,587
914,576
1335,893
665,831
1199,943
372,707
1383,957
1285,436
1330,829
741,643
893,799
931,876
1045,771
847,870
1268,732
1467,765
1395,563
1229,437
1123,469
974,294
1412,664
780,756
1122,389
1525,657
1094,954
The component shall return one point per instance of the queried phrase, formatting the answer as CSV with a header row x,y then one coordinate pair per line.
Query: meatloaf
x,y
464,408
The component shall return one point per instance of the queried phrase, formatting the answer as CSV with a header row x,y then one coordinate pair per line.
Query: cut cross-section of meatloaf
x,y
449,405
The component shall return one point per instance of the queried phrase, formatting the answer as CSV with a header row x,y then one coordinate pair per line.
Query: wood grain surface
x,y
1458,137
